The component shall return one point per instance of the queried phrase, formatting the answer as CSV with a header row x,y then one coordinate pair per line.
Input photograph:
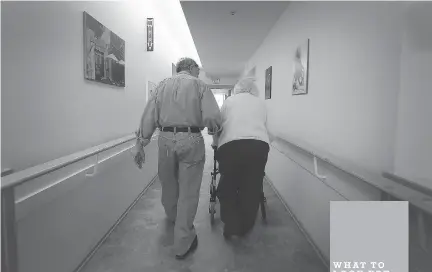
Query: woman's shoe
x,y
227,236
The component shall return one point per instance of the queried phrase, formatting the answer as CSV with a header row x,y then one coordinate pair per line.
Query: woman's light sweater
x,y
244,116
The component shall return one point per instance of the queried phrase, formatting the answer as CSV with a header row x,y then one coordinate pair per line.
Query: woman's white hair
x,y
246,85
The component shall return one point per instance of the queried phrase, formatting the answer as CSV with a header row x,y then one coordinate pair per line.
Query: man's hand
x,y
139,157
214,145
215,140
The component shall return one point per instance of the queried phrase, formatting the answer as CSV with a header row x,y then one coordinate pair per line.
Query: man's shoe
x,y
191,249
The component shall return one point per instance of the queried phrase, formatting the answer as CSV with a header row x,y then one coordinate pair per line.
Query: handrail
x,y
409,183
416,198
315,173
9,246
387,183
20,177
6,172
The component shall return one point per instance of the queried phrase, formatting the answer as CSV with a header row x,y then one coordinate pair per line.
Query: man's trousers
x,y
180,170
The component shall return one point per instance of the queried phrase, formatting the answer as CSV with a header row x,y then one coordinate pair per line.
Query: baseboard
x,y
105,237
322,257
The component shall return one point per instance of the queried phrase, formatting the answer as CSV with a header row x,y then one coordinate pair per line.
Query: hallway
x,y
141,242
347,94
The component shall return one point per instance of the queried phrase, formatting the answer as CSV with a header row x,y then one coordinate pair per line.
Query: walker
x,y
213,191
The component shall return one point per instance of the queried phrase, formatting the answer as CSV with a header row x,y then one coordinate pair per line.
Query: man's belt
x,y
181,129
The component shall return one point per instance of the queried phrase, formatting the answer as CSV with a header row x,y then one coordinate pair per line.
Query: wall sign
x,y
150,34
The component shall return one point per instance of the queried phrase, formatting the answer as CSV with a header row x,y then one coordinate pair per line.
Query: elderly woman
x,y
243,147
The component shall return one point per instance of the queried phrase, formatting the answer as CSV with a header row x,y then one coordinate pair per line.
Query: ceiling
x,y
226,42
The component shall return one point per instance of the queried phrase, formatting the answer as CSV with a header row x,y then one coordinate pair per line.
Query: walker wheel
x,y
212,211
212,218
263,209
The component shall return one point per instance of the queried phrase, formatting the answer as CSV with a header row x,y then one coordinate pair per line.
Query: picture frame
x,y
300,82
268,82
104,53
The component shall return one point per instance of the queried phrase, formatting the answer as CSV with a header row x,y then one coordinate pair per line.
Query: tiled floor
x,y
142,242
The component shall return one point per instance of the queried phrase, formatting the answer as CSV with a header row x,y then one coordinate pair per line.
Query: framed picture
x,y
301,69
268,82
104,54
151,87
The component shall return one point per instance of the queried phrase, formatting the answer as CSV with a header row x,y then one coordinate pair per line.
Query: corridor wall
x,y
350,111
59,227
413,147
48,109
354,82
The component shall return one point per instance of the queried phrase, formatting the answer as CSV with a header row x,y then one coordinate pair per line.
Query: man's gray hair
x,y
185,64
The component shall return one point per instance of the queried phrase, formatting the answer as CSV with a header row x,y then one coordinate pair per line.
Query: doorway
x,y
220,95
220,98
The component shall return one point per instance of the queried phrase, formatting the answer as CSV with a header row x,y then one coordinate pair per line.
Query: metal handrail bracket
x,y
316,169
94,168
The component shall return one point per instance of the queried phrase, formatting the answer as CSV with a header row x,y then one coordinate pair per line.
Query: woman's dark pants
x,y
242,167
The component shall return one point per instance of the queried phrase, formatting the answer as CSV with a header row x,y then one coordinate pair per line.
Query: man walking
x,y
181,106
